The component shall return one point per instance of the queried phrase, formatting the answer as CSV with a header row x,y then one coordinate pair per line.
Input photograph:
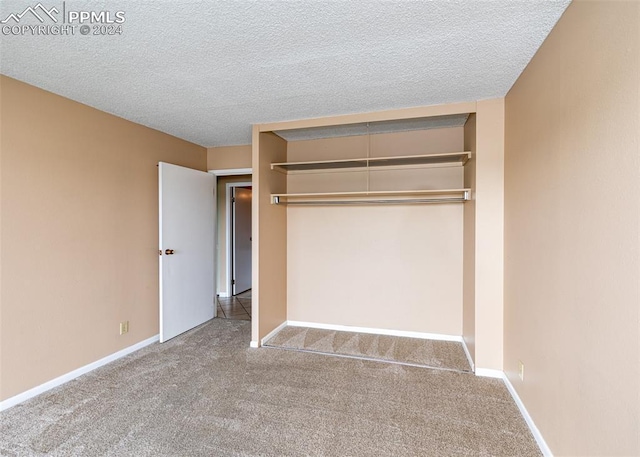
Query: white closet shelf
x,y
446,159
365,197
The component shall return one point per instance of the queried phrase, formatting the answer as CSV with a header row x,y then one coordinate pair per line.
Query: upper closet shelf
x,y
448,159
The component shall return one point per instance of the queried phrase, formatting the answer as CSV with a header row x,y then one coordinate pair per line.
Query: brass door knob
x,y
168,251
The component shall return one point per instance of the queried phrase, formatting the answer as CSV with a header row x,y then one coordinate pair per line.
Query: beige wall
x,y
469,242
572,247
269,233
79,233
229,157
1,212
222,223
489,234
392,267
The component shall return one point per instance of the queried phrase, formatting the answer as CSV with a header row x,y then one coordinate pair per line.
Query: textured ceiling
x,y
206,71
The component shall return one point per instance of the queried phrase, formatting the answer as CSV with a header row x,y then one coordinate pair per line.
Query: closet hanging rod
x,y
277,201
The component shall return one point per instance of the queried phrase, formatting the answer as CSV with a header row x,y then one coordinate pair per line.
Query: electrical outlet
x,y
124,327
521,370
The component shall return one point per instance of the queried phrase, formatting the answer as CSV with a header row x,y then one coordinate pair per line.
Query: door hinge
x,y
233,282
233,200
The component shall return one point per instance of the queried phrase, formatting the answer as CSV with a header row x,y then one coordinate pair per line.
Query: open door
x,y
241,250
187,250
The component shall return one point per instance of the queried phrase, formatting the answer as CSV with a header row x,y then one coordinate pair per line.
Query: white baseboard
x,y
489,373
376,331
529,420
254,344
468,354
273,332
542,444
224,295
9,402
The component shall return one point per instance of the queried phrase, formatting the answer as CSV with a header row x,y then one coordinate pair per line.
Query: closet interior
x,y
367,223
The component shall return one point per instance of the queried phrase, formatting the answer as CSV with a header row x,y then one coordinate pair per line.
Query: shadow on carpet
x,y
445,355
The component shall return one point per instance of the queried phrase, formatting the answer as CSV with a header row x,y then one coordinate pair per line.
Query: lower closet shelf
x,y
373,197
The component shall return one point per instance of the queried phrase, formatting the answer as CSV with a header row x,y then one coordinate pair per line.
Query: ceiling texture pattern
x,y
207,71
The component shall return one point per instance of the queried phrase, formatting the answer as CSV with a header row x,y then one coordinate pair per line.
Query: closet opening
x,y
362,226
324,258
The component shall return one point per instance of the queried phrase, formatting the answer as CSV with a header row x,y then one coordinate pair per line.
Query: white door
x,y
187,261
241,239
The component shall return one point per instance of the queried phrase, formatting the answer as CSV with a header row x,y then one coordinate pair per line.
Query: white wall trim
x,y
489,373
542,444
224,295
254,344
273,332
229,230
9,402
377,331
232,171
529,420
468,354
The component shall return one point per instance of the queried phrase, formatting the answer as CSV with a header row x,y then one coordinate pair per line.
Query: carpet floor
x,y
205,393
447,355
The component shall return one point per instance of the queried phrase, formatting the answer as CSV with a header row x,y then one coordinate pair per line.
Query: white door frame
x,y
228,241
228,247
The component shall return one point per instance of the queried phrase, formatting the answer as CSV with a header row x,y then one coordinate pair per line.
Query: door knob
x,y
168,251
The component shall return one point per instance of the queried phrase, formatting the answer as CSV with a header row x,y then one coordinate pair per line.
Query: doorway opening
x,y
239,197
233,253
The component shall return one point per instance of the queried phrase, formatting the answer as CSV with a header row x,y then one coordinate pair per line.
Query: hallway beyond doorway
x,y
236,307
